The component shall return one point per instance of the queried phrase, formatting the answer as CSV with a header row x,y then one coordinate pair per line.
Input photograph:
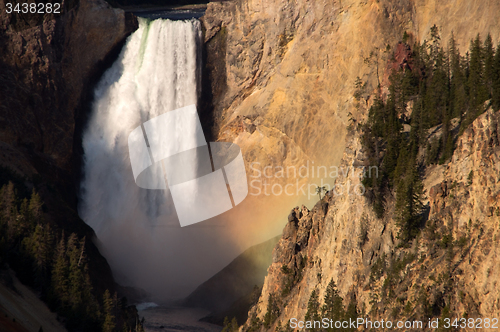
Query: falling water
x,y
137,229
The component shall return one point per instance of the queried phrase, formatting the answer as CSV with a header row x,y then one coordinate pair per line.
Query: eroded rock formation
x,y
289,69
49,63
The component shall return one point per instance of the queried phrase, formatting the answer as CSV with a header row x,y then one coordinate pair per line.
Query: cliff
x,y
454,260
49,63
48,66
232,290
283,79
281,74
285,67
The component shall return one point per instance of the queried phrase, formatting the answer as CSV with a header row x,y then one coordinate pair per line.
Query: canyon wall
x,y
340,239
49,62
290,69
48,65
284,75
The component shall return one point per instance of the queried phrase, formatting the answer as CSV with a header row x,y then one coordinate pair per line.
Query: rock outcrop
x,y
48,65
454,260
288,70
283,73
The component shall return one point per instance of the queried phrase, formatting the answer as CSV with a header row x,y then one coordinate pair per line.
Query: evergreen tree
x,y
436,96
333,307
24,222
35,207
109,319
409,203
489,54
9,209
496,80
234,324
75,274
312,313
273,311
39,248
476,84
230,325
226,325
458,97
56,268
91,304
352,311
60,271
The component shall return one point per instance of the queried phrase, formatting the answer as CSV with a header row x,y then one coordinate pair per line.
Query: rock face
x,y
282,73
222,293
48,64
454,261
290,66
284,84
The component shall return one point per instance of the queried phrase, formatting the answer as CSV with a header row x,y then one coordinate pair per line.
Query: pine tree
x,y
9,209
496,80
458,97
60,271
489,54
234,324
273,310
333,307
409,203
109,319
75,274
477,88
23,221
226,325
352,311
312,313
35,207
39,246
230,325
437,95
91,304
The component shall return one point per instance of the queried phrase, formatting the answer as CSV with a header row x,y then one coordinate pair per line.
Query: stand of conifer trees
x,y
442,86
56,266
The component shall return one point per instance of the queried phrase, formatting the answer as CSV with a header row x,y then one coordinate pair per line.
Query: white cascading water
x,y
137,229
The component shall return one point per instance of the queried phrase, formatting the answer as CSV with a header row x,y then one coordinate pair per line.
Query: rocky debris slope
x,y
21,309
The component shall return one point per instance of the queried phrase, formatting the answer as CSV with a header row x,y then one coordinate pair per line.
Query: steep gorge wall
x,y
340,239
48,64
289,69
284,72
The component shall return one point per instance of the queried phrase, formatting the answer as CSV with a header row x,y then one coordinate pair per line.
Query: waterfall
x,y
137,229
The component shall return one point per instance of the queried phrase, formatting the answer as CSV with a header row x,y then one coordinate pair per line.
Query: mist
x,y
137,229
